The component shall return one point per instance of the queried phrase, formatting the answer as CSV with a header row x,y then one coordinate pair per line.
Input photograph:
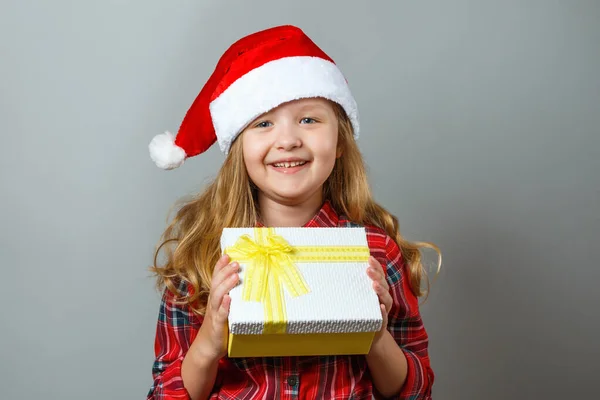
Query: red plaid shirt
x,y
319,377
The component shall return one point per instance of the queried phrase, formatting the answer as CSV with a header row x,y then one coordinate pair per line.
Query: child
x,y
283,114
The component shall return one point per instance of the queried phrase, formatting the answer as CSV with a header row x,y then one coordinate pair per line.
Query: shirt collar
x,y
326,217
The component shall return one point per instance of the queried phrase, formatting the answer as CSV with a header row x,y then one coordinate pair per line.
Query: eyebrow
x,y
304,108
312,106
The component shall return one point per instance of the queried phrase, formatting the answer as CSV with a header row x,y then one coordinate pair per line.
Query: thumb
x,y
384,314
223,311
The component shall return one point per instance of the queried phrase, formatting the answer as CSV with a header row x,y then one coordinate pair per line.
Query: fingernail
x,y
235,265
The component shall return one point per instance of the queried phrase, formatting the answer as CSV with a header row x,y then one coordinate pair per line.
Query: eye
x,y
308,120
263,124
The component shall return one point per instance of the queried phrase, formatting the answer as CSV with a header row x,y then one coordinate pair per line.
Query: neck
x,y
294,214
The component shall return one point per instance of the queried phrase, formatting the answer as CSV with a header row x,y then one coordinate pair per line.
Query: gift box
x,y
302,291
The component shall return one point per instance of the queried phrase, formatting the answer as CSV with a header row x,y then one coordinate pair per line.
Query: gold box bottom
x,y
313,344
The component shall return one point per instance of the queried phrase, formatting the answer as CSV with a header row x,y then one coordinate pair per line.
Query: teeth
x,y
289,164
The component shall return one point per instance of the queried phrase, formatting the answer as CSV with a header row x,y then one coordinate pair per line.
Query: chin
x,y
288,196
294,196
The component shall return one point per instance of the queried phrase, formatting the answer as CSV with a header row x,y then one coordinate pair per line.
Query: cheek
x,y
254,153
326,148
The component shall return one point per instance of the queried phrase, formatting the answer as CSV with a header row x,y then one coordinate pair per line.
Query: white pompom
x,y
165,153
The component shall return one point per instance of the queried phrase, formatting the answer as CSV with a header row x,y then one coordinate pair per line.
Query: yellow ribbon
x,y
270,267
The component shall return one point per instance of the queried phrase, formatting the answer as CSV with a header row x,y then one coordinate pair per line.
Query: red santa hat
x,y
256,74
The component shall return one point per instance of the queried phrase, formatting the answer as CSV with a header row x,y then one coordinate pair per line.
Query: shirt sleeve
x,y
406,326
176,328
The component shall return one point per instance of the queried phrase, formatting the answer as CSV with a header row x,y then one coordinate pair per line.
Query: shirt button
x,y
292,381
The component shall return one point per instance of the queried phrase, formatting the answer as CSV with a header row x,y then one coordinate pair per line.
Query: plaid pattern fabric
x,y
319,377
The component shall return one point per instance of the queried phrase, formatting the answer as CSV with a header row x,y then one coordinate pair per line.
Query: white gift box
x,y
336,309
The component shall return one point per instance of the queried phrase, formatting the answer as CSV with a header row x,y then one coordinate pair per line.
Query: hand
x,y
211,341
377,275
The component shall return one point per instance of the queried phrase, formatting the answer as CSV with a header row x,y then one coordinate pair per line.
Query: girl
x,y
283,114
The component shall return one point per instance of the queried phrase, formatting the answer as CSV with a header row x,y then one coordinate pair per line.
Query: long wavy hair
x,y
191,242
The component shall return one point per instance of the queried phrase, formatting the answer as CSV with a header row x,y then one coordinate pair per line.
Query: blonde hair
x,y
192,239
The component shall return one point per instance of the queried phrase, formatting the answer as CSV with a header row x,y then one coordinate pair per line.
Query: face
x,y
290,151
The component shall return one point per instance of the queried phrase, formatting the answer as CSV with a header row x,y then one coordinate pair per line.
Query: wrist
x,y
202,357
379,343
203,352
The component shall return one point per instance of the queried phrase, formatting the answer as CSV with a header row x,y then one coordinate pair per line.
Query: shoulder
x,y
175,309
181,290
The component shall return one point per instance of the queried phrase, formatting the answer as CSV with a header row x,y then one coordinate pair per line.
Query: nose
x,y
288,137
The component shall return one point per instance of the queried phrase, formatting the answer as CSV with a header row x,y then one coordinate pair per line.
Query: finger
x,y
382,293
224,273
218,292
374,273
378,276
384,315
376,265
223,311
388,302
385,284
221,262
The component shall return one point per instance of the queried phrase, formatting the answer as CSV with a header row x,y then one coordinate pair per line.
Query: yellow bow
x,y
270,268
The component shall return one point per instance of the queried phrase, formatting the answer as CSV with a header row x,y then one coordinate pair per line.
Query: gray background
x,y
480,128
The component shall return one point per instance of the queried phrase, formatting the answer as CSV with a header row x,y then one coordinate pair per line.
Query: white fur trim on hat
x,y
165,153
275,83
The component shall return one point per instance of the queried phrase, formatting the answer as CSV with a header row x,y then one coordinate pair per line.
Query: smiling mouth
x,y
289,164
